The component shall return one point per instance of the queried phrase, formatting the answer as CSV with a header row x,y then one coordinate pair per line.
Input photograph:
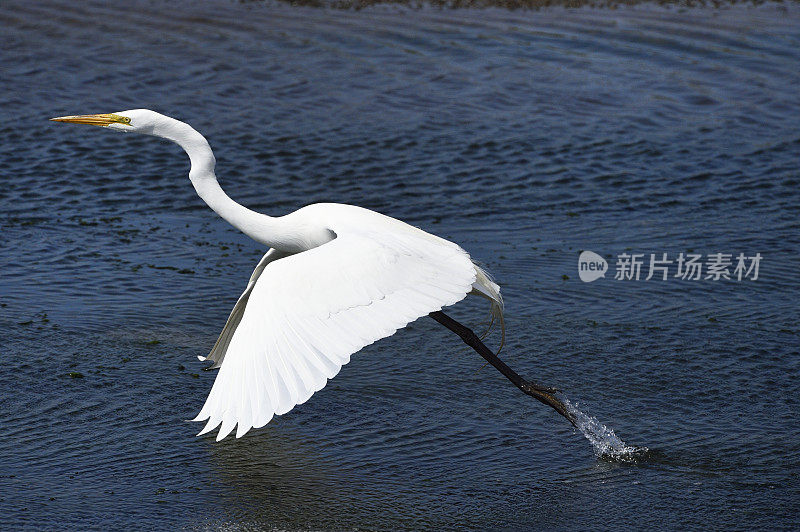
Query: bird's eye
x,y
120,119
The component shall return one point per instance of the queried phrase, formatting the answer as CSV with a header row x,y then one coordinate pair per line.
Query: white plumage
x,y
337,278
308,312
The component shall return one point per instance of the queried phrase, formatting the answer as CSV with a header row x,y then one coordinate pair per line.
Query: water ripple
x,y
526,137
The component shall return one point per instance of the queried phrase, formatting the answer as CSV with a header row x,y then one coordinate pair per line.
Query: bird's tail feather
x,y
486,287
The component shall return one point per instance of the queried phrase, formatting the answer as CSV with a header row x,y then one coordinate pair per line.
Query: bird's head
x,y
134,120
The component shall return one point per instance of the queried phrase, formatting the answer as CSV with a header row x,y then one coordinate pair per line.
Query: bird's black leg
x,y
541,393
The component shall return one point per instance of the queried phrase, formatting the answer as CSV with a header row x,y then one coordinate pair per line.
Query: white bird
x,y
335,279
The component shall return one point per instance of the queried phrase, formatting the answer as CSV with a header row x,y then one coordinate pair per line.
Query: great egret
x,y
335,279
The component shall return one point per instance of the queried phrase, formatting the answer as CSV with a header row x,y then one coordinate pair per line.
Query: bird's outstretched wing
x,y
217,353
307,313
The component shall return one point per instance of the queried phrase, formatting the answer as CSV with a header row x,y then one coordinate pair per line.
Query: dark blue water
x,y
527,137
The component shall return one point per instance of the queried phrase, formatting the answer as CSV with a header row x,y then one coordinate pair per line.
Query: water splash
x,y
606,444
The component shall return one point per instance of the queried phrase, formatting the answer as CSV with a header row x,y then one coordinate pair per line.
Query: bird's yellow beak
x,y
94,120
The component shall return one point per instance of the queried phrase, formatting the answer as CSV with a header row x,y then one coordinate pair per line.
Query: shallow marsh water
x,y
526,136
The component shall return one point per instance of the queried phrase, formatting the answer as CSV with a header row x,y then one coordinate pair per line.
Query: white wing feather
x,y
307,313
217,353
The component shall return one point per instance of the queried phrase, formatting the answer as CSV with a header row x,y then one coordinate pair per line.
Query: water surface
x,y
524,136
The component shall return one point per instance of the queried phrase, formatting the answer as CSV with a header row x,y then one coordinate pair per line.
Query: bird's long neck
x,y
270,231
